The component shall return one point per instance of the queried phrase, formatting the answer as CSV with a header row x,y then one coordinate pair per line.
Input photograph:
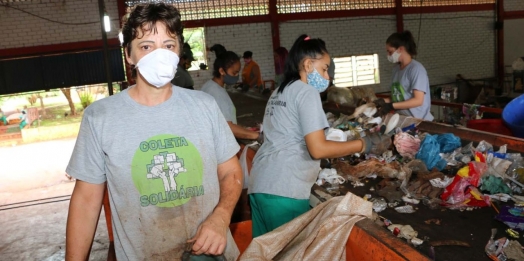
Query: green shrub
x,y
86,97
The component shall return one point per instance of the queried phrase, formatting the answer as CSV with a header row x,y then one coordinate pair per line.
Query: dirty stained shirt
x,y
283,165
160,164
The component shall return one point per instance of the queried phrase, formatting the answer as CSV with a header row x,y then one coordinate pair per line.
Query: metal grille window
x,y
210,9
417,3
303,6
354,71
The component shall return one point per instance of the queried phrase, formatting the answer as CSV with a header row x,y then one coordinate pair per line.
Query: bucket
x,y
513,116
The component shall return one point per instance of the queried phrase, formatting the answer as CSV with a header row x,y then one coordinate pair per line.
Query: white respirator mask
x,y
394,57
158,67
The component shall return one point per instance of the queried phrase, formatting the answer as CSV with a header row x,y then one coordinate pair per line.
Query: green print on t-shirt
x,y
167,171
397,92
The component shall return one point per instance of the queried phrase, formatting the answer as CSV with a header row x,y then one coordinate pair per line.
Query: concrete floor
x,y
34,193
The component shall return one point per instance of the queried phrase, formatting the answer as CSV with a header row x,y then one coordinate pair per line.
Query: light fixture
x,y
107,23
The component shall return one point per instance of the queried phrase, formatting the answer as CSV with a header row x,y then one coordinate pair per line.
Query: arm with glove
x,y
320,148
385,106
375,143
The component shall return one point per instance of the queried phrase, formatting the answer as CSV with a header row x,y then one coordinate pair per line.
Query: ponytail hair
x,y
404,39
304,47
218,49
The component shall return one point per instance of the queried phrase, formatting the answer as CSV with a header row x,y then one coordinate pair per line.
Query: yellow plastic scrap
x,y
464,172
476,194
512,233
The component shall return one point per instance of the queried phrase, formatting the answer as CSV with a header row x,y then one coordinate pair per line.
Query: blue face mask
x,y
316,80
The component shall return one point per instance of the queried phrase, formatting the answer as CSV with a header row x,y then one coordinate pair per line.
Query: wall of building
x,y
513,5
449,43
240,38
347,37
27,23
513,36
513,40
455,43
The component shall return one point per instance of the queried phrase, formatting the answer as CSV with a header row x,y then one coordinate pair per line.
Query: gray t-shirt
x,y
413,77
283,165
160,163
182,78
222,98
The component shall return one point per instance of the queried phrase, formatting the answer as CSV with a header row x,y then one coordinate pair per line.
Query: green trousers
x,y
270,211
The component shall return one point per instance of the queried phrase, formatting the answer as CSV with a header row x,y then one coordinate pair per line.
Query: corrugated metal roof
x,y
59,71
56,71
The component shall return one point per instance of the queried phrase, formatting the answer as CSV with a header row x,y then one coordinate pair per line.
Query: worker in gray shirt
x,y
287,164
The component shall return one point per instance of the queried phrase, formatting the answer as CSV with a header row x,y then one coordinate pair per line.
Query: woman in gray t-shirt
x,y
226,70
287,164
410,94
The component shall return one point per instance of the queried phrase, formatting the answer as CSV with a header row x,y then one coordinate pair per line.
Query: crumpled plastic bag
x,y
406,145
379,204
484,146
441,183
448,142
330,176
429,153
494,185
463,192
336,135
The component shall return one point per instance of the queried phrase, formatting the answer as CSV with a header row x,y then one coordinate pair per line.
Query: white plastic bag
x,y
336,135
243,163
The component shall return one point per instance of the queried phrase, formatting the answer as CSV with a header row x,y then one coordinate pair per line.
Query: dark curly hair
x,y
145,17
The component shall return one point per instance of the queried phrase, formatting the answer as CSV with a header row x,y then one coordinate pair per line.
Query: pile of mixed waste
x,y
437,170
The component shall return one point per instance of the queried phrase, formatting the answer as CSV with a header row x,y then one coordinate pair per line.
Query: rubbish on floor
x,y
512,221
330,176
448,142
500,197
434,169
429,153
449,242
404,231
353,96
372,166
405,209
512,233
406,145
517,211
417,241
494,185
433,221
410,200
379,204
